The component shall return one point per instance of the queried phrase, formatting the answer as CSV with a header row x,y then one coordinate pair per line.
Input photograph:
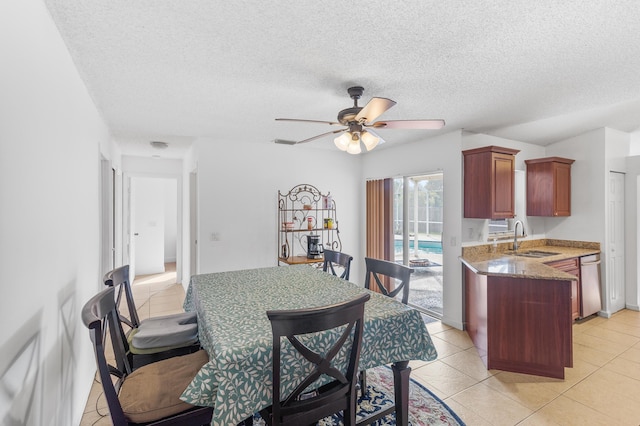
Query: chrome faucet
x,y
515,233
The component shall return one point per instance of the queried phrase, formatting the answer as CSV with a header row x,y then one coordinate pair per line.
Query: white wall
x,y
50,134
634,143
238,187
439,153
587,221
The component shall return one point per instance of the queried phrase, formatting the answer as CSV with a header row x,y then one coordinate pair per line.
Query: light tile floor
x,y
603,387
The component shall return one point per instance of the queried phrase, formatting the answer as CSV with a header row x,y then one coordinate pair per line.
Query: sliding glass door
x,y
417,237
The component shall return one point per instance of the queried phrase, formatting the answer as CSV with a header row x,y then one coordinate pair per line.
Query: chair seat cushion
x,y
153,391
167,331
181,318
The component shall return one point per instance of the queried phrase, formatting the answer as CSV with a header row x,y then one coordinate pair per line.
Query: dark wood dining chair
x,y
150,394
300,406
383,271
390,279
339,259
154,338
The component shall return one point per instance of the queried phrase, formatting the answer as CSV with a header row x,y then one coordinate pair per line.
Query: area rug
x,y
424,407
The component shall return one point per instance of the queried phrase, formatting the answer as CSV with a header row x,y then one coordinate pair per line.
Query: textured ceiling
x,y
536,71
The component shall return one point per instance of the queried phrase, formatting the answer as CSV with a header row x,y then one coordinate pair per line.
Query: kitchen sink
x,y
534,253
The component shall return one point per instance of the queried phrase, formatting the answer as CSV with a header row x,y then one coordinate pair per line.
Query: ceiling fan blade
x,y
323,135
409,124
287,142
333,123
373,109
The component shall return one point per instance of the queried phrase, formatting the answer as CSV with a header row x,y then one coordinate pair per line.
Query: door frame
x,y
406,231
107,216
193,223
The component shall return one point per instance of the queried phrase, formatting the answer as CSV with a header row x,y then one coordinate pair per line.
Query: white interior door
x,y
147,209
615,294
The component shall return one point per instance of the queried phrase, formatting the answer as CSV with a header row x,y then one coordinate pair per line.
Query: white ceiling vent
x,y
159,144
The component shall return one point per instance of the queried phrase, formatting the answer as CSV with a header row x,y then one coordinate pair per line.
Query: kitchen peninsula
x,y
518,308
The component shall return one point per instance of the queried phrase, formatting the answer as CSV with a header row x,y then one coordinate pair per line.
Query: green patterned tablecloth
x,y
236,333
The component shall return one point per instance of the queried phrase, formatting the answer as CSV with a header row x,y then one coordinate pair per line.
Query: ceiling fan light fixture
x,y
342,141
354,147
369,140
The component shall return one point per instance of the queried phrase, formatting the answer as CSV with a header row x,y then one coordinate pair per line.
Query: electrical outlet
x,y
215,236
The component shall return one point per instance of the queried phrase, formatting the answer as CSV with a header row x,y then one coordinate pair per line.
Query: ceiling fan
x,y
360,122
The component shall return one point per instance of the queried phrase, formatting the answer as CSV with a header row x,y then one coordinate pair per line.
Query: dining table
x,y
234,330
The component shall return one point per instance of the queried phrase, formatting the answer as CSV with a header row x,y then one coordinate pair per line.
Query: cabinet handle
x,y
595,262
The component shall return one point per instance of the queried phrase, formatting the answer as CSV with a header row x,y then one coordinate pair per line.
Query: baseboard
x,y
452,323
607,314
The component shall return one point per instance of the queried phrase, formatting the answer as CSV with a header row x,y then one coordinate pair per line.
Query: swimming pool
x,y
423,245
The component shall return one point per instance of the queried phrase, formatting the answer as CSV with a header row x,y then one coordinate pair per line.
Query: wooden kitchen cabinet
x,y
520,325
549,186
489,182
571,266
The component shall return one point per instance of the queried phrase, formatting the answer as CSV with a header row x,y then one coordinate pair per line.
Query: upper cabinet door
x,y
549,186
489,182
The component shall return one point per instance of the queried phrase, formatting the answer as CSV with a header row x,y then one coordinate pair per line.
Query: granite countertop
x,y
504,262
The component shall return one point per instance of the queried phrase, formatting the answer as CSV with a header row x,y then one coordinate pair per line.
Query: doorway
x,y
417,237
153,224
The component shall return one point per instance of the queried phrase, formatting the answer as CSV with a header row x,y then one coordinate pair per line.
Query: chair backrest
x,y
380,269
99,314
332,258
119,279
339,363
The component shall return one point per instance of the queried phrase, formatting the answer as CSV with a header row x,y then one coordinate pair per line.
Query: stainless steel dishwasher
x,y
590,298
